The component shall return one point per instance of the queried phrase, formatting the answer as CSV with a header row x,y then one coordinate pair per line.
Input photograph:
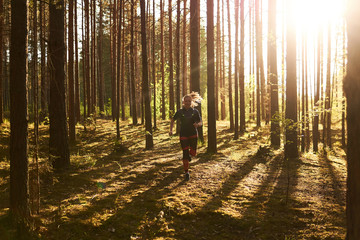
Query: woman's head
x,y
191,100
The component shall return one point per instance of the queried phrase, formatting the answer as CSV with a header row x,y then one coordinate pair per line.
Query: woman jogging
x,y
190,120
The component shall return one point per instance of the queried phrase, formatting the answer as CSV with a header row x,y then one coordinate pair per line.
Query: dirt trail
x,y
239,193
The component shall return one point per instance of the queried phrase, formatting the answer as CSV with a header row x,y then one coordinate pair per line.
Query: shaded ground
x,y
242,192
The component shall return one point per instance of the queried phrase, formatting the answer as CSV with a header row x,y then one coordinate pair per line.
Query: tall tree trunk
x,y
100,69
163,110
303,93
230,72
178,71
217,63
132,66
112,58
316,134
184,53
352,89
222,86
35,194
118,61
291,150
251,101
154,64
254,68
1,59
84,61
211,78
19,176
236,80
87,57
70,73
273,75
77,83
171,65
283,50
307,119
258,69
122,88
321,96
43,83
242,66
59,147
343,140
327,132
93,58
259,61
195,53
145,83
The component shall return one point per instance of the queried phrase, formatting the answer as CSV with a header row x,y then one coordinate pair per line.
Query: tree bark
x,y
163,110
258,69
71,85
1,59
222,83
316,134
171,65
118,63
19,176
184,54
100,68
352,89
211,78
236,105
59,147
145,82
132,66
43,82
178,50
113,59
327,132
77,83
230,72
218,61
291,150
195,53
343,108
93,58
87,58
35,194
242,66
273,75
154,64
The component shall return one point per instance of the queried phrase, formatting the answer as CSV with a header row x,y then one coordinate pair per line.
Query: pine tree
x,y
211,78
291,89
59,147
19,176
352,89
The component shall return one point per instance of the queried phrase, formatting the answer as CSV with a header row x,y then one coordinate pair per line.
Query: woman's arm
x,y
198,124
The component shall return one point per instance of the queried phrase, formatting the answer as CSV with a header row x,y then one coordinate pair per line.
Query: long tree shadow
x,y
273,208
148,186
128,212
335,186
333,191
219,225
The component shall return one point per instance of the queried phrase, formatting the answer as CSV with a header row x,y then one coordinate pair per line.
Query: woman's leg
x,y
186,160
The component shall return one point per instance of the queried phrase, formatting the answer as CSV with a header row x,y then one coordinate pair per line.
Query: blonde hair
x,y
195,98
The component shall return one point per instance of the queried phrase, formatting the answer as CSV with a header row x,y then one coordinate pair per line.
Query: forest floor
x,y
121,191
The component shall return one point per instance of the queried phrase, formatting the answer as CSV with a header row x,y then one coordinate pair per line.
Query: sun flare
x,y
311,14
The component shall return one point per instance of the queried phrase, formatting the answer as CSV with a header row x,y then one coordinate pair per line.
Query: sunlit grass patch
x,y
242,192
